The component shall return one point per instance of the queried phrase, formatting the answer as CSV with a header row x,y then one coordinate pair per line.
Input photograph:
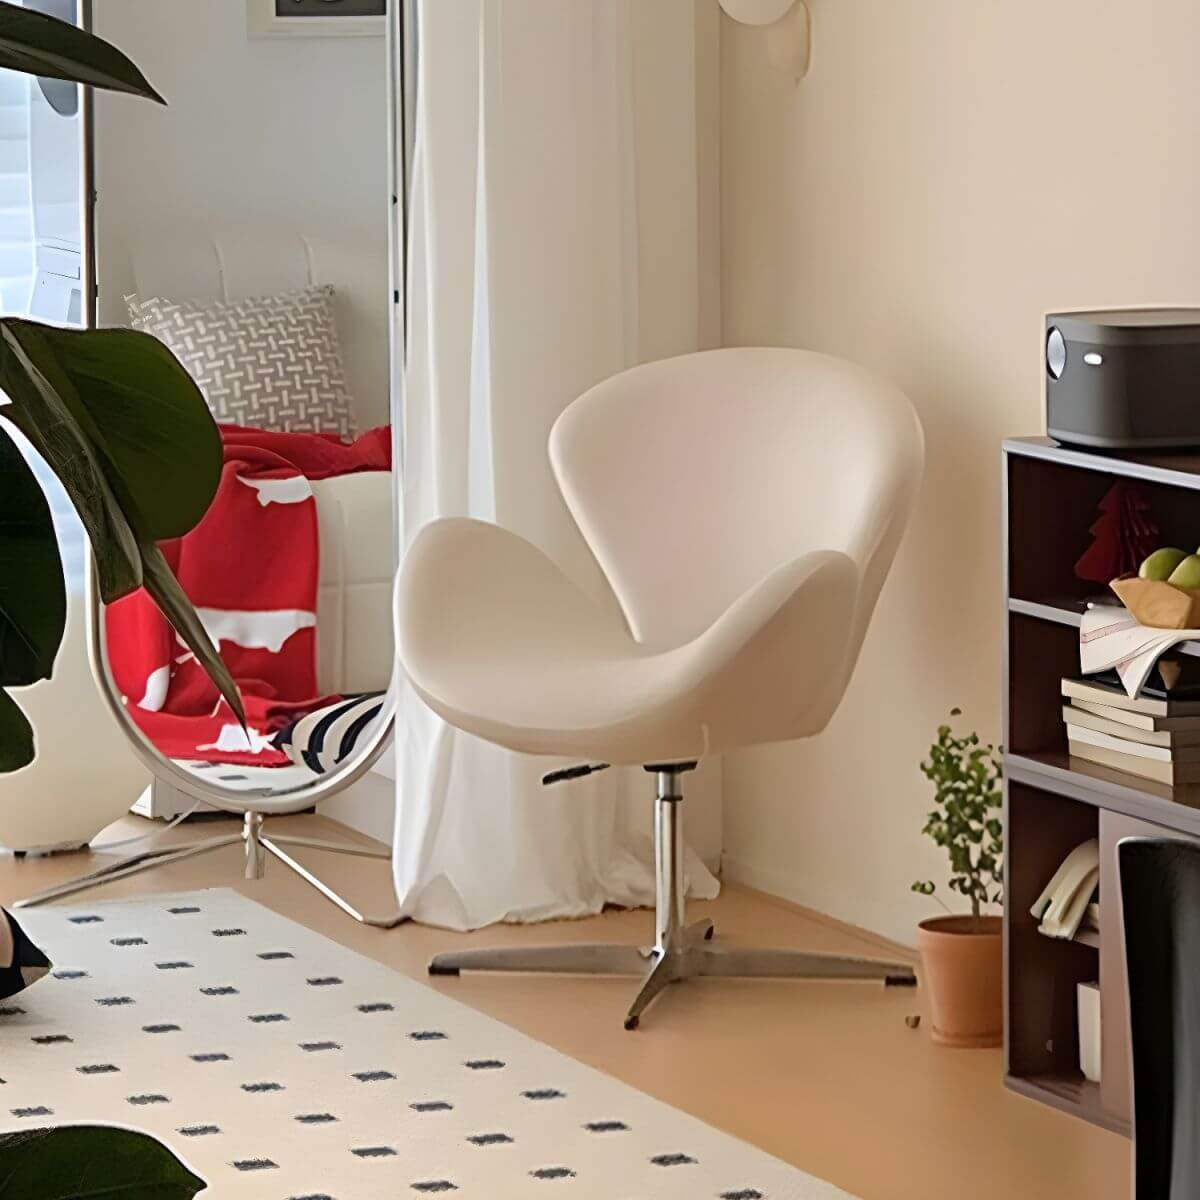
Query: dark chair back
x,y
1160,899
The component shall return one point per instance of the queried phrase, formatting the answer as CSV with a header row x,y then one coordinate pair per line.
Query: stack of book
x,y
1151,736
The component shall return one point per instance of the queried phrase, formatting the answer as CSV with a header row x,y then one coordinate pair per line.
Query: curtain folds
x,y
556,239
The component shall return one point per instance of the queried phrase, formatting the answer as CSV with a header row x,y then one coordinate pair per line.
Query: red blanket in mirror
x,y
251,569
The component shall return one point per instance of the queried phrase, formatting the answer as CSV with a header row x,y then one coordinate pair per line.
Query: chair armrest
x,y
463,575
780,652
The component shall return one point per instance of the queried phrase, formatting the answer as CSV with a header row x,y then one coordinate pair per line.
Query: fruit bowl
x,y
1157,604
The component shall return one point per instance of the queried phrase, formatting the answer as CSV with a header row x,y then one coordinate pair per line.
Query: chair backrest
x,y
693,478
1160,906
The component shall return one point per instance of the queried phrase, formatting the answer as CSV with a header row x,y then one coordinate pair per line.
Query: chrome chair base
x,y
257,846
681,951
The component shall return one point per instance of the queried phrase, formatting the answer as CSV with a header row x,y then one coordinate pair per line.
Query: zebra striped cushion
x,y
328,737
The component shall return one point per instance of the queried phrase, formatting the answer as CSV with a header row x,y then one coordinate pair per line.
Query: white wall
x,y
949,172
258,133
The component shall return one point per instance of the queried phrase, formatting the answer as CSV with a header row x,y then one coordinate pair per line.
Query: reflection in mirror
x,y
245,226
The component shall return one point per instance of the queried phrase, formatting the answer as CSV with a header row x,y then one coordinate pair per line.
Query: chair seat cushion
x,y
501,644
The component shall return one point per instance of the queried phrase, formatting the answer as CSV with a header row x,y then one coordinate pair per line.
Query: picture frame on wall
x,y
316,18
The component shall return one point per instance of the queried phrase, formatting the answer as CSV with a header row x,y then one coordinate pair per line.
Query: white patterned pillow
x,y
272,362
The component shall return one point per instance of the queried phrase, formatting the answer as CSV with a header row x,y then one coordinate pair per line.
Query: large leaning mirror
x,y
247,226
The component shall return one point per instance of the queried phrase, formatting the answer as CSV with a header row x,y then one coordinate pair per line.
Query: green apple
x,y
1162,562
1187,574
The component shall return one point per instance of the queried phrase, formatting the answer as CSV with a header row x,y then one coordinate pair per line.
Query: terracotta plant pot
x,y
961,970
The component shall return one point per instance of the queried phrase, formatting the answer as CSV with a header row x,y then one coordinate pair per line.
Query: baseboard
x,y
783,889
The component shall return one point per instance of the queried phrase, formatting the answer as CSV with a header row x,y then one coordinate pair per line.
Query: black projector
x,y
1124,379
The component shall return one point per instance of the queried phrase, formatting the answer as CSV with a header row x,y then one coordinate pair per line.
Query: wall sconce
x,y
789,33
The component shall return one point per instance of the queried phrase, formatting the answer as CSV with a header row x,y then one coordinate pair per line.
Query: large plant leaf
x,y
144,414
86,1162
160,582
33,598
36,44
61,430
17,747
127,432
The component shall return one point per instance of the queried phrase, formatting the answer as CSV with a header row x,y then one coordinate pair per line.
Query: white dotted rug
x,y
280,1066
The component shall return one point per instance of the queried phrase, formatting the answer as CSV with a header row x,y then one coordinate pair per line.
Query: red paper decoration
x,y
1122,536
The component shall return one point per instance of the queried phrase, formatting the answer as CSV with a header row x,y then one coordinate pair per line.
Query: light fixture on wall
x,y
789,32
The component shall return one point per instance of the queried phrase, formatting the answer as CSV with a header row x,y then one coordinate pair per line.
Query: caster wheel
x,y
632,1023
709,933
908,981
444,972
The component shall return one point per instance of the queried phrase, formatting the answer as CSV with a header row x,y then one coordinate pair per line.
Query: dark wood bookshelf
x,y
1053,801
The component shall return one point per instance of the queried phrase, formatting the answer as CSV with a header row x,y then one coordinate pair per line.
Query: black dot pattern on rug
x,y
183,910
255,1164
86,919
296,1054
673,1160
12,1010
553,1173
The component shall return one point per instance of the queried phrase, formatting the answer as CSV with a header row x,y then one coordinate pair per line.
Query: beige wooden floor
x,y
828,1077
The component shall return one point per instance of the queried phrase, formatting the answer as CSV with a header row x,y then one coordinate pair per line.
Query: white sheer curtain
x,y
557,237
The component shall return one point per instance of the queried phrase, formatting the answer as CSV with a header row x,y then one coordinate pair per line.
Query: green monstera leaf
x,y
127,432
36,44
33,601
88,1162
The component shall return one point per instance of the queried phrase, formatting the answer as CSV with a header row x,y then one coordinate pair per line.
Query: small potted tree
x,y
961,955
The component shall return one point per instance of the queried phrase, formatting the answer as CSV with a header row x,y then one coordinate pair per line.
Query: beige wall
x,y
950,170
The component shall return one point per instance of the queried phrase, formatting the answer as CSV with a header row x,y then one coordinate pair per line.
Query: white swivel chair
x,y
745,507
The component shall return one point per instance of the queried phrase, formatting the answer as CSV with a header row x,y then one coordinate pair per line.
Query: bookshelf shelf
x,y
1053,801
1070,612
1071,1093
